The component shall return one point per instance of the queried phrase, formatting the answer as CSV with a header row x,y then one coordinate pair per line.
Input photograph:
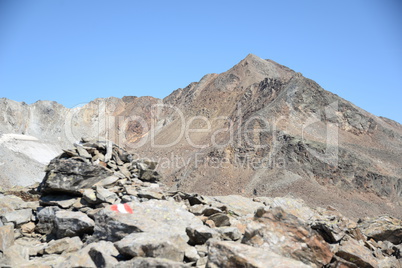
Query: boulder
x,y
150,262
61,200
200,234
9,203
292,206
159,216
15,256
105,195
71,175
17,217
6,237
150,193
383,228
89,195
67,244
284,234
28,228
228,254
155,245
107,181
230,233
99,254
150,175
236,204
33,245
69,224
332,225
46,218
220,219
356,253
191,254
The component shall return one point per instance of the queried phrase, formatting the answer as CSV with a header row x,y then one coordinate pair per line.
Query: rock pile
x,y
99,207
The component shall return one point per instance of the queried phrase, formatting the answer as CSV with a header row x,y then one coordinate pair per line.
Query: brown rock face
x,y
259,129
283,233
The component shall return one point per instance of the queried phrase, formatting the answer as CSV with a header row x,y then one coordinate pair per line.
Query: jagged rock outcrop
x,y
80,228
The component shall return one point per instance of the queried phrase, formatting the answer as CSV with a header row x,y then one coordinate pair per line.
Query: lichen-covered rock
x,y
355,252
383,228
71,175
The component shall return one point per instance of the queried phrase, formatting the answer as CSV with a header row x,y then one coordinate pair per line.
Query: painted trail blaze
x,y
122,208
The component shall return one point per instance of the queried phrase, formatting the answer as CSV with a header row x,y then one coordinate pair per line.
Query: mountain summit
x,y
258,129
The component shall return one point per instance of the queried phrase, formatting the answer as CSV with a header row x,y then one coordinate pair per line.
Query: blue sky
x,y
72,51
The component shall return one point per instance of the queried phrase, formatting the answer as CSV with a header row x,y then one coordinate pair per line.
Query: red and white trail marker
x,y
122,208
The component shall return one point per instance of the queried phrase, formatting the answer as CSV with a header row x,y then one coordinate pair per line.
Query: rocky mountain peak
x,y
261,129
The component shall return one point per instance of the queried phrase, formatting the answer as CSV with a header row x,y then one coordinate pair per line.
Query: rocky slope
x,y
98,206
259,129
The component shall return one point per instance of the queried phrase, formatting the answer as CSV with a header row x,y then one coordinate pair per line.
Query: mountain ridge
x,y
258,110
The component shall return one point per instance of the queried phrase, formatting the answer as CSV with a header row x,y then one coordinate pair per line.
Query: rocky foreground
x,y
99,207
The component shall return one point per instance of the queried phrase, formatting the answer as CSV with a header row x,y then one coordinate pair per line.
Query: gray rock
x,y
123,170
208,211
200,234
331,225
229,233
197,209
156,245
67,244
82,152
151,262
150,193
63,201
94,255
193,199
228,254
34,246
46,261
46,218
150,216
220,219
69,224
150,175
105,195
107,181
17,217
103,256
6,237
356,253
191,254
15,256
236,204
89,195
292,206
202,250
71,175
10,203
383,228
